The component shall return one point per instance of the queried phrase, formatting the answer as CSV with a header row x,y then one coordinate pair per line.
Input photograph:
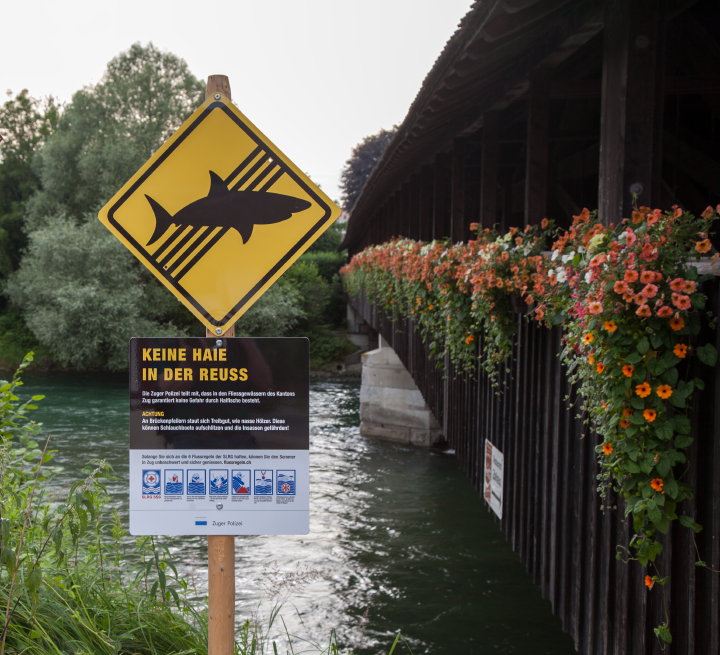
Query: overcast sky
x,y
316,76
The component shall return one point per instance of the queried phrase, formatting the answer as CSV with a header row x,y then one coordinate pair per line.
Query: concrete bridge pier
x,y
391,405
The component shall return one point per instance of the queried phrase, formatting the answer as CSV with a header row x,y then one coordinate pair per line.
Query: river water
x,y
399,539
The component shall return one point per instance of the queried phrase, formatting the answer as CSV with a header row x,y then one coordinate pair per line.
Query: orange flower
x,y
430,306
643,390
607,448
595,307
591,359
624,423
689,286
649,582
640,298
470,339
600,367
610,326
628,370
664,312
544,223
649,415
631,276
627,412
664,391
680,350
677,323
650,290
604,404
643,311
657,484
703,246
588,338
682,302
647,277
678,284
638,217
621,287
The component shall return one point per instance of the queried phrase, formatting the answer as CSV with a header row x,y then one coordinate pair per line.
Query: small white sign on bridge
x,y
493,481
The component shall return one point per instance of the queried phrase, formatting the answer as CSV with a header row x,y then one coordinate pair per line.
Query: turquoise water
x,y
399,538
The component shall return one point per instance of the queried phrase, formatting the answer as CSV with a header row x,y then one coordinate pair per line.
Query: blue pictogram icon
x,y
174,482
196,482
241,482
285,483
218,482
263,483
151,481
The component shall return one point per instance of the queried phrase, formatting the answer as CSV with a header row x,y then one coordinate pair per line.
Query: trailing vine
x,y
630,302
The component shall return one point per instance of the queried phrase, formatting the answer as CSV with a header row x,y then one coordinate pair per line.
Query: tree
x,y
365,155
25,123
108,131
80,292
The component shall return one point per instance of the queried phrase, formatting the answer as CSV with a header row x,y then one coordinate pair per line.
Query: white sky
x,y
316,76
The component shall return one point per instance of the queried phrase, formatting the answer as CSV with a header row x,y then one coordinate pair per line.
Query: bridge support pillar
x,y
391,405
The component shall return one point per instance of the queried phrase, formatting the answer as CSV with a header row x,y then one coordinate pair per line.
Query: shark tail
x,y
163,220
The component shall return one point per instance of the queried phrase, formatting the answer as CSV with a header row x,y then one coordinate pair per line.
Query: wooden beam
x,y
414,210
631,107
537,154
490,158
427,189
457,197
441,205
404,230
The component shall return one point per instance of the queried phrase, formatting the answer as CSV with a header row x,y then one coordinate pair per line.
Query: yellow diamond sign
x,y
218,213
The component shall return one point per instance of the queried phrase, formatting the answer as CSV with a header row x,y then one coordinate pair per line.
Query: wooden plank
x,y
414,222
441,206
427,189
457,196
631,107
537,152
490,159
404,229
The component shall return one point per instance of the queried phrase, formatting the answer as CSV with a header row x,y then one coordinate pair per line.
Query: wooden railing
x,y
551,510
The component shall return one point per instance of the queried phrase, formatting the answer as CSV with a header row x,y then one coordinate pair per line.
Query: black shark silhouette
x,y
241,210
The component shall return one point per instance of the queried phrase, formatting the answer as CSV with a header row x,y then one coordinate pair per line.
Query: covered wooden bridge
x,y
539,108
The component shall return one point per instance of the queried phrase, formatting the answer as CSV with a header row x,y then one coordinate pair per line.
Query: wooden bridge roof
x,y
485,66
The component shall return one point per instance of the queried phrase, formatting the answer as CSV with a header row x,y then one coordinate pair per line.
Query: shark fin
x,y
246,231
217,185
163,220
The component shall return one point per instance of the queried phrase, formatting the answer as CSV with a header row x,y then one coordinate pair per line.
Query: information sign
x,y
218,213
219,436
493,478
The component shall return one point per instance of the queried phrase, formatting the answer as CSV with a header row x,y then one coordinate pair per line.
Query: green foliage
x,y
108,131
274,314
82,295
25,123
365,155
328,263
329,241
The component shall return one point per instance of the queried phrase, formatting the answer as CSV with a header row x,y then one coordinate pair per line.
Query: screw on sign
x,y
217,215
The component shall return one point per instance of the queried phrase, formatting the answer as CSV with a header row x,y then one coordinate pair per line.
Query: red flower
x,y
643,311
631,275
678,284
664,312
650,290
621,287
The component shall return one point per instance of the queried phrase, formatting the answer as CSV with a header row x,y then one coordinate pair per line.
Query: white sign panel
x,y
219,436
493,478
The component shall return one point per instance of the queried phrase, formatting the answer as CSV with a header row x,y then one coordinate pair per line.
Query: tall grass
x,y
72,581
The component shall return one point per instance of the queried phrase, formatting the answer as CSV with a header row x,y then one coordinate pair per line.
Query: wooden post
x,y
457,196
427,184
631,107
489,169
536,172
221,548
441,203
